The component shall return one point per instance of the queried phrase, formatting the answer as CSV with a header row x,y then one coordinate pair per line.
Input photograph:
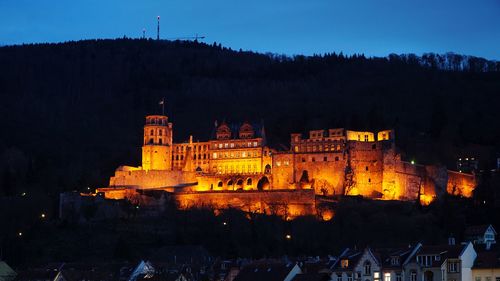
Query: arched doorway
x,y
219,184
239,184
230,184
267,169
428,276
263,183
249,182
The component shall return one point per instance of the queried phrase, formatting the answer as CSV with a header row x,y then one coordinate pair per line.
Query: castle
x,y
236,168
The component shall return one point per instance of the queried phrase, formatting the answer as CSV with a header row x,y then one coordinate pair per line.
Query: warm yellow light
x,y
224,223
288,236
20,234
42,216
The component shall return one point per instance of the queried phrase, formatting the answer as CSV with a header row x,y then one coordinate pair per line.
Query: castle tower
x,y
157,145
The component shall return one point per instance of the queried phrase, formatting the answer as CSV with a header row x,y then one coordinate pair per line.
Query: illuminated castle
x,y
237,169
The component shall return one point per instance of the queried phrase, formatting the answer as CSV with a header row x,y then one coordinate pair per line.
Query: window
x,y
226,145
303,159
478,278
398,276
366,137
369,180
313,159
368,268
160,141
497,278
339,276
232,145
413,276
453,266
336,158
161,132
255,143
152,132
387,277
344,263
376,276
214,155
395,261
349,277
325,158
366,168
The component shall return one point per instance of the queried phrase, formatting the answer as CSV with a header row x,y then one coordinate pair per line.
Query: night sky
x,y
375,28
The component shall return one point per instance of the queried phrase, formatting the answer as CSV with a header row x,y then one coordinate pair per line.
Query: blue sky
x,y
375,28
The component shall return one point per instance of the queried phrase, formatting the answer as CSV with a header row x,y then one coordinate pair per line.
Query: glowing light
x,y
288,236
23,194
20,234
224,223
413,162
42,216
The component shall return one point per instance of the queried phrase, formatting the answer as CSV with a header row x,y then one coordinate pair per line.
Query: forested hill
x,y
72,112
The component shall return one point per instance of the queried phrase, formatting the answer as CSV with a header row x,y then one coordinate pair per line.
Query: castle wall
x,y
460,184
366,160
150,179
290,203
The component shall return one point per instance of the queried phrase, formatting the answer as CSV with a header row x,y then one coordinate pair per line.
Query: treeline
x,y
73,112
233,233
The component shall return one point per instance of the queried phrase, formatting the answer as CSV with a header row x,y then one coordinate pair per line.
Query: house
x,y
6,272
441,263
487,266
481,234
268,271
393,261
355,265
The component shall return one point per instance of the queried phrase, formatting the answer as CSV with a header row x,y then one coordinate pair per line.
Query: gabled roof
x,y
487,259
311,277
353,257
443,251
6,272
475,230
265,271
385,255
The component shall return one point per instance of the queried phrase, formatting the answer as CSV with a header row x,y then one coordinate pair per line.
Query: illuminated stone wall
x,y
150,179
288,203
460,184
366,161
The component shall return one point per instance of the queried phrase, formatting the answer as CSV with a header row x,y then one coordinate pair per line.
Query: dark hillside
x,y
72,112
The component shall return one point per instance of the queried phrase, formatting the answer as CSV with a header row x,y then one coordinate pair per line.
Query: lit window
x,y
255,143
226,145
366,137
278,163
214,156
232,145
344,263
387,277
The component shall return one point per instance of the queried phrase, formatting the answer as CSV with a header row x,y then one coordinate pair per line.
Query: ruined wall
x,y
460,184
233,182
408,180
366,160
325,171
289,203
150,179
283,164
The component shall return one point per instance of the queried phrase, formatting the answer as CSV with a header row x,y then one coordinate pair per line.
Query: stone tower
x,y
157,145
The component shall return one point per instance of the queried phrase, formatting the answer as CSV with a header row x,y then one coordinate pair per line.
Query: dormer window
x,y
368,268
394,260
344,263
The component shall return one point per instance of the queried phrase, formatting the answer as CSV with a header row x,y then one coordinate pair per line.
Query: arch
x,y
263,183
230,184
219,184
267,169
239,184
199,170
249,181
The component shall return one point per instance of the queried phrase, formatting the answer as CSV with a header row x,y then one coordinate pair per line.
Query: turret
x,y
157,145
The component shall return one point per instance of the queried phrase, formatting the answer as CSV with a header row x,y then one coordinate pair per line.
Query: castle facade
x,y
236,168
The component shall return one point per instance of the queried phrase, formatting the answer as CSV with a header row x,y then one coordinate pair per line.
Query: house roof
x,y
444,252
352,256
487,259
311,277
265,271
6,272
475,230
385,256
